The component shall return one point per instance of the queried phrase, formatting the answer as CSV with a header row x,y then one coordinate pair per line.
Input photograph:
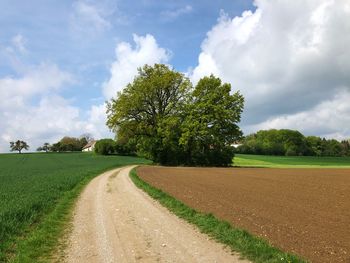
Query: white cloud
x,y
90,18
96,124
36,123
37,80
53,118
48,121
128,59
31,109
286,57
173,14
330,119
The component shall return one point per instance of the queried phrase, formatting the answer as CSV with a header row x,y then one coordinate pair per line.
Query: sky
x,y
61,60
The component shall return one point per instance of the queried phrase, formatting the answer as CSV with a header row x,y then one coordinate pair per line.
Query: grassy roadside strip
x,y
249,246
42,240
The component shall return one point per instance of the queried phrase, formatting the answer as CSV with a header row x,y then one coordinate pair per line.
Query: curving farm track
x,y
116,222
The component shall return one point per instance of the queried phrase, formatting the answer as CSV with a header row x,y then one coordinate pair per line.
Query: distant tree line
x,y
292,143
163,117
67,144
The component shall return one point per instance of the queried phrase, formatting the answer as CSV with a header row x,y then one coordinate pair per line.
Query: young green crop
x,y
249,160
31,185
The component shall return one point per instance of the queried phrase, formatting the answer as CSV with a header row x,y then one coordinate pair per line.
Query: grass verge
x,y
249,246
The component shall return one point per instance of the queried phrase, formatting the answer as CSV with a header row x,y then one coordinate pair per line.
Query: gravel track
x,y
114,221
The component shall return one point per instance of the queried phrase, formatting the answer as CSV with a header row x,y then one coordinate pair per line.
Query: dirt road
x,y
116,222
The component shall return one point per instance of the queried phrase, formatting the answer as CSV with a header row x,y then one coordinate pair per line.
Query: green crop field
x,y
247,160
33,185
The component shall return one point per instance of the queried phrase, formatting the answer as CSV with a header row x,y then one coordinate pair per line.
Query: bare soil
x,y
114,221
303,211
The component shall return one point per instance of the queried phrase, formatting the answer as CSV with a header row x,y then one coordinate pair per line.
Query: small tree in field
x,y
18,146
46,147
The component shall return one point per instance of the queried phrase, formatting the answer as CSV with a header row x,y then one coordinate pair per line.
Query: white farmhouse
x,y
89,147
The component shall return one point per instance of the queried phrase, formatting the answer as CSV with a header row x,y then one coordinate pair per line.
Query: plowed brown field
x,y
304,211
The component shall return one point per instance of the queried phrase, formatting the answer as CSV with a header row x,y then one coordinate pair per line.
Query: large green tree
x,y
210,125
147,108
171,122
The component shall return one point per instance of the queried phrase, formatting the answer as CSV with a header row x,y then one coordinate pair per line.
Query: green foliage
x,y
126,148
69,144
210,125
146,108
105,147
291,143
163,118
31,187
249,160
18,146
239,240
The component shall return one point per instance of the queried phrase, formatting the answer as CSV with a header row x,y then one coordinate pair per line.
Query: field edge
x,y
238,240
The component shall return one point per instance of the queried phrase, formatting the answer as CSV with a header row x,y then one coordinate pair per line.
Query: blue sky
x,y
53,32
60,60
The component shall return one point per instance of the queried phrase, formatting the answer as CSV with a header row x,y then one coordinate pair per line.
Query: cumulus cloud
x,y
96,123
48,121
20,118
288,58
128,59
330,119
37,80
169,15
31,109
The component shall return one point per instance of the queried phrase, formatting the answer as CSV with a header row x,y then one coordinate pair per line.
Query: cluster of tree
x,y
67,144
161,116
291,143
109,146
18,145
